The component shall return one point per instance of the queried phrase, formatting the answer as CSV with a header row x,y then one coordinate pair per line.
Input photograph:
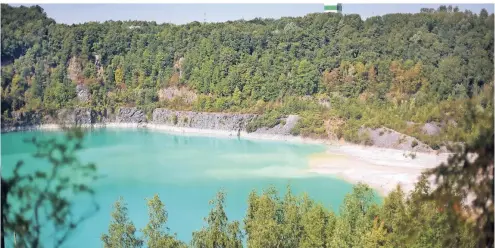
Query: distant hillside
x,y
338,72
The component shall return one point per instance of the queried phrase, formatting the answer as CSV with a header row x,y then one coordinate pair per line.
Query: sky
x,y
185,13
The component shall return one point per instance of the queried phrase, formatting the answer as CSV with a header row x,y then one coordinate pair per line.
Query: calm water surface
x,y
186,171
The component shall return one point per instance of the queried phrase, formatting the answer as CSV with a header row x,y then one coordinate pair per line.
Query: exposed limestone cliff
x,y
130,115
202,120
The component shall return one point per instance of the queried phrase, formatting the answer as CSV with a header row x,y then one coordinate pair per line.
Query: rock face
x,y
283,128
202,120
104,116
76,116
130,115
388,138
74,70
170,93
431,128
27,120
179,65
82,92
19,119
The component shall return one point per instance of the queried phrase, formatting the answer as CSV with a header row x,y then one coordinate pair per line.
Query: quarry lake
x,y
186,172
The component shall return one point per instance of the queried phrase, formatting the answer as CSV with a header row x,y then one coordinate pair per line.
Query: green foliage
x,y
22,27
394,211
268,120
469,173
317,224
377,236
175,119
310,124
43,199
298,221
156,233
218,233
356,215
261,223
121,231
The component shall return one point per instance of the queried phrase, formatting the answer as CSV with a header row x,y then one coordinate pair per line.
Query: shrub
x,y
220,104
268,120
435,147
295,130
368,141
414,143
251,126
365,139
174,119
311,124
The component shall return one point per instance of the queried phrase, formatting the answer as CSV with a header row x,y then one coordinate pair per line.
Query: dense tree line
x,y
273,220
416,67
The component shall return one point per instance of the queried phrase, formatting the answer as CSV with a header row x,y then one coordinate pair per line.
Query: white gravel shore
x,y
382,169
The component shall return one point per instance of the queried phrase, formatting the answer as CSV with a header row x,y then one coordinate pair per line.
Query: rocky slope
x,y
202,120
283,128
388,138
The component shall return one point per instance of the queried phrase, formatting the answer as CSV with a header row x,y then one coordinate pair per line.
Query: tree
x,y
406,81
393,214
34,94
341,234
42,198
356,214
290,220
119,76
316,224
448,75
306,80
16,92
377,236
121,231
469,174
155,232
219,232
261,223
331,79
236,97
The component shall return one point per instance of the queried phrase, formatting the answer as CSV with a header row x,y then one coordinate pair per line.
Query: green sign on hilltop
x,y
332,8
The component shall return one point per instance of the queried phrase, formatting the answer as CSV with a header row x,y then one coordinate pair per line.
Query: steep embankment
x,y
199,122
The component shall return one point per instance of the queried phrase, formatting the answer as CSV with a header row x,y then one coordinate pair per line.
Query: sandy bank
x,y
382,169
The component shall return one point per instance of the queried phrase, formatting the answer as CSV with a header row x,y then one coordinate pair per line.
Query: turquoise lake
x,y
186,172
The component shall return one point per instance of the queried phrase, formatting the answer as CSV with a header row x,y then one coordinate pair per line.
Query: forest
x,y
338,72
